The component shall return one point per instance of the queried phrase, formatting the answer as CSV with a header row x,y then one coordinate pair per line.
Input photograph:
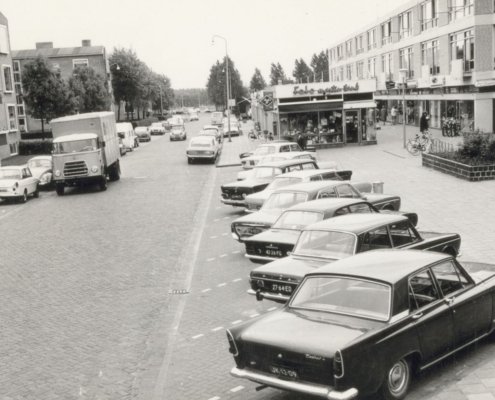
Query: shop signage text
x,y
298,91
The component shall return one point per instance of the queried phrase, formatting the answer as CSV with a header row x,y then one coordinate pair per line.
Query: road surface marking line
x,y
237,280
236,389
214,398
216,220
205,290
236,252
223,255
225,234
226,218
221,284
213,237
253,315
272,309
237,322
217,329
210,259
197,336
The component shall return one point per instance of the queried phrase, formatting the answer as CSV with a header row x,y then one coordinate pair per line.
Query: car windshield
x,y
201,142
141,130
75,146
156,125
266,172
177,131
261,151
39,163
284,200
325,244
297,220
10,174
280,181
342,295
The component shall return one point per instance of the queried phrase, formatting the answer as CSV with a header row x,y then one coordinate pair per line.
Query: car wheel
x,y
103,183
397,380
24,196
59,188
36,193
189,160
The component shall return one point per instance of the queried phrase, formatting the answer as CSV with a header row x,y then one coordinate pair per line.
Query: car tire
x,y
397,380
36,193
24,196
103,183
189,161
114,173
60,188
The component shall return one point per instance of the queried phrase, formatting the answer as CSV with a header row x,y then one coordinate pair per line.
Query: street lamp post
x,y
227,80
161,101
403,72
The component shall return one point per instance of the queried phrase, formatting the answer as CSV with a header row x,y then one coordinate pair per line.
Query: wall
x,y
483,115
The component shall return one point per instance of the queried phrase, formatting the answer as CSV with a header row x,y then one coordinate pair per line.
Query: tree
x,y
46,94
319,64
277,75
257,81
89,90
301,71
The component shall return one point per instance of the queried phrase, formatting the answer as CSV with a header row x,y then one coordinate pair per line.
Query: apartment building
x,y
434,56
9,133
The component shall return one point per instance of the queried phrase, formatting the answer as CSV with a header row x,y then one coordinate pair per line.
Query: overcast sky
x,y
174,37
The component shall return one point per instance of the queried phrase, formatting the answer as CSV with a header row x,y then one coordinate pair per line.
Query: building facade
x,y
9,132
434,56
64,60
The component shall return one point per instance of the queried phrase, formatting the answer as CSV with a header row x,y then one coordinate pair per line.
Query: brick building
x,y
62,59
440,52
9,133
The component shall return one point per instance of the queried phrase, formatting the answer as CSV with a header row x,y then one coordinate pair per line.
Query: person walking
x,y
423,123
393,114
383,114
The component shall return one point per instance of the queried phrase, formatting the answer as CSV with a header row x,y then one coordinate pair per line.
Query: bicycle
x,y
253,135
420,144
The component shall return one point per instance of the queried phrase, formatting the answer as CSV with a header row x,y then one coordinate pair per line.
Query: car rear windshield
x,y
297,220
281,182
342,295
284,200
326,244
266,172
201,142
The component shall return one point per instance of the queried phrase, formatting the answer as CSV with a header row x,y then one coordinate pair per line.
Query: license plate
x,y
283,372
236,197
274,253
276,287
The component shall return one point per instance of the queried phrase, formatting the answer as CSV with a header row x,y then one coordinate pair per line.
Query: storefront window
x,y
459,111
330,127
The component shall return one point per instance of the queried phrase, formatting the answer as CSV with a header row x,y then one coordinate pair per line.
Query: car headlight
x,y
94,169
57,172
46,177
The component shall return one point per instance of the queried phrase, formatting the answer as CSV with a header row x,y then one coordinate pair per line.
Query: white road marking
x,y
226,218
217,328
205,290
272,309
214,398
221,284
223,255
253,315
236,389
237,280
225,234
216,220
213,237
236,252
237,322
197,336
210,259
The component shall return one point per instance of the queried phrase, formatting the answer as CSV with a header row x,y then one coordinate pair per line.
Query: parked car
x,y
235,126
178,132
336,238
202,148
235,193
281,199
126,133
41,169
193,116
17,182
142,133
211,130
278,241
366,324
156,128
122,147
217,118
268,149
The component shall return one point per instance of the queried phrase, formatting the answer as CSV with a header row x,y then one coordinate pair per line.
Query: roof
x,y
59,52
308,186
206,127
284,163
304,173
75,136
324,205
77,117
356,223
389,266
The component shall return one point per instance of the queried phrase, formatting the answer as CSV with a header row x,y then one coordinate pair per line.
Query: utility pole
x,y
227,81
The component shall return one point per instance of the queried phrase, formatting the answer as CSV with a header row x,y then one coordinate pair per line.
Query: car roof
x,y
141,128
202,139
210,127
304,173
74,137
40,158
308,186
390,265
327,204
284,163
356,223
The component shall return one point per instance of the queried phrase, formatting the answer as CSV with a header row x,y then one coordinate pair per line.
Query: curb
x,y
229,165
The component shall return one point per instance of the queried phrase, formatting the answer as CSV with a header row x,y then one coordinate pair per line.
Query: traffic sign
x,y
231,103
267,102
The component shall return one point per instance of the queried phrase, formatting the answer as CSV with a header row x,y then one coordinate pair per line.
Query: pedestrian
x,y
423,123
383,114
300,140
393,114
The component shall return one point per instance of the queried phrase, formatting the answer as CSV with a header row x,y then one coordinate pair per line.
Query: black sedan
x,y
366,324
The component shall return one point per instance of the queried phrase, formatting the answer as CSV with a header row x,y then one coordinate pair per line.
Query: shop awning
x,y
310,106
359,104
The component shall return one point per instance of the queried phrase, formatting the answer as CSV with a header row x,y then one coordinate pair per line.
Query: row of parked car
x,y
368,298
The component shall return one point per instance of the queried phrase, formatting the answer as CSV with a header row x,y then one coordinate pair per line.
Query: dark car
x,y
279,240
366,324
281,199
336,238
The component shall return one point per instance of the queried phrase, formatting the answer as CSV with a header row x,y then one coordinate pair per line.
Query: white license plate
x,y
274,253
276,287
283,372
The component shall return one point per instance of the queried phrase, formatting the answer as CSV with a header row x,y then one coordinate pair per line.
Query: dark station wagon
x,y
337,238
366,324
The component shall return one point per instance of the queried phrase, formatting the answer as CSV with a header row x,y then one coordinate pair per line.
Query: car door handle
x,y
449,300
417,316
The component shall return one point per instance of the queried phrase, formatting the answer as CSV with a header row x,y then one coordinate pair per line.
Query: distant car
x,y
217,118
211,130
193,116
41,169
178,132
336,238
126,133
17,182
142,133
156,128
202,148
235,127
122,147
367,323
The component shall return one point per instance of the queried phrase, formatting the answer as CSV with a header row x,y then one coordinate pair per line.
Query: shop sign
x,y
411,83
485,82
298,91
324,88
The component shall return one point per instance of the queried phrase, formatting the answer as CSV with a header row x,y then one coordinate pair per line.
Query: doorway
x,y
352,125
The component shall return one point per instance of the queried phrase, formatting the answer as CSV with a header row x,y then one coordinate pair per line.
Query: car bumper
x,y
201,157
261,258
325,392
9,195
235,203
279,298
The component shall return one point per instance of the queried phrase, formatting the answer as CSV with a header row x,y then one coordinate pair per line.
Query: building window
x,y
462,48
12,118
341,74
387,66
4,40
359,44
22,124
406,61
428,14
7,78
20,110
360,70
371,36
386,32
429,56
348,48
348,72
79,62
460,8
371,67
340,52
332,56
405,26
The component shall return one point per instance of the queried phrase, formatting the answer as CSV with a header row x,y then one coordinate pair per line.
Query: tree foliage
x,y
193,97
301,72
319,64
89,90
45,93
216,86
257,81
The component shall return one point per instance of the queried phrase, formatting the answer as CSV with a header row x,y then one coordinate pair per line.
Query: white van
x,y
126,133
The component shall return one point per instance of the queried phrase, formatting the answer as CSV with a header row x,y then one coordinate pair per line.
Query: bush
x,y
476,148
35,146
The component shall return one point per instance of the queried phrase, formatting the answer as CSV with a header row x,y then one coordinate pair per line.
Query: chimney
x,y
44,45
86,43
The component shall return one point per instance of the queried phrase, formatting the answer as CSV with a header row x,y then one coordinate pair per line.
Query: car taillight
x,y
338,365
232,346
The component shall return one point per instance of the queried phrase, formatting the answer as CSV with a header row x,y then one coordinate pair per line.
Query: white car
x,y
202,148
193,116
269,149
157,128
41,168
17,182
210,130
142,133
